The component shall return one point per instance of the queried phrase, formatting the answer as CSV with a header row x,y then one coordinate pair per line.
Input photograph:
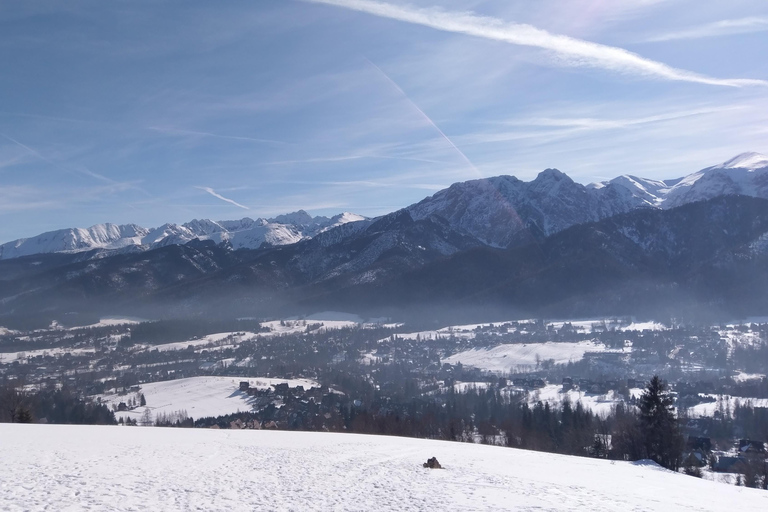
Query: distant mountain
x,y
500,212
245,233
549,246
504,211
745,174
704,257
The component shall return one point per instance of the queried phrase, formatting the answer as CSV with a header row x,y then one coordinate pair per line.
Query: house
x,y
749,446
567,384
725,464
281,389
244,385
122,406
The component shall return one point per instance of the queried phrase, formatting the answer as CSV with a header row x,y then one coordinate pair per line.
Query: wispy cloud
x,y
717,28
344,158
219,196
547,129
567,50
25,198
604,124
176,131
71,169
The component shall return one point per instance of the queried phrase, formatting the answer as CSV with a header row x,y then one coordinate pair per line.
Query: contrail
x,y
56,165
718,28
426,117
174,131
219,196
569,50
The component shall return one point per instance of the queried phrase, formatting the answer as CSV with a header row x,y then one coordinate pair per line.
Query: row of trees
x,y
51,405
491,416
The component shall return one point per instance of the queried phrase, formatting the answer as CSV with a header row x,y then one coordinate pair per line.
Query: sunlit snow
x,y
65,467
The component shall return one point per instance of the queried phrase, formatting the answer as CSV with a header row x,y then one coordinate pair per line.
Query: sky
x,y
150,112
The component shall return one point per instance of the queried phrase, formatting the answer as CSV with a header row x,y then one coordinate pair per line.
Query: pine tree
x,y
23,415
662,438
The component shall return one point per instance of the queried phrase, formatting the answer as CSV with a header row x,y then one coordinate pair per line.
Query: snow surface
x,y
198,396
645,326
109,321
68,467
729,402
209,341
751,161
554,395
745,174
522,356
9,357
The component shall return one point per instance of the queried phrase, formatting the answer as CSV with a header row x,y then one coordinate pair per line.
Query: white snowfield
x,y
211,340
728,402
522,356
200,397
73,468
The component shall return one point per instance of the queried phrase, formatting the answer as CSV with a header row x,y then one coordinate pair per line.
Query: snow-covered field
x,y
212,340
9,357
68,468
522,356
108,321
597,403
198,396
728,402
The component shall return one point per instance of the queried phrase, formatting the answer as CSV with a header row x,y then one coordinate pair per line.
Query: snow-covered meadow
x,y
525,356
68,468
199,397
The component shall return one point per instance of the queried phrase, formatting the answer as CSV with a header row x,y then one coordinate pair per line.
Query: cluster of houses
x,y
699,452
599,387
285,407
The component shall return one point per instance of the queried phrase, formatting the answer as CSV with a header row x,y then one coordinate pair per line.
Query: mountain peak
x,y
749,160
300,218
552,174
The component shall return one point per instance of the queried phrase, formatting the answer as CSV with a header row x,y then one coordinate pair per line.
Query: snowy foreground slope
x,y
63,467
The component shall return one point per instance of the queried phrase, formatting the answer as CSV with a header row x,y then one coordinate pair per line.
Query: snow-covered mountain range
x,y
504,211
501,211
745,174
245,233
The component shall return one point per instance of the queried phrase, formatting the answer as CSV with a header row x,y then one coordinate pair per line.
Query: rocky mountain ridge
x,y
504,211
245,233
500,211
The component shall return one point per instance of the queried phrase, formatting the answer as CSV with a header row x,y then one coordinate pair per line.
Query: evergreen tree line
x,y
168,331
50,405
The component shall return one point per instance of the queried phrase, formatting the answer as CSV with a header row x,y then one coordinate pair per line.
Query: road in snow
x,y
68,468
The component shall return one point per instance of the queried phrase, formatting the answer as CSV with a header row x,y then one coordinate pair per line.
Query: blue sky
x,y
150,112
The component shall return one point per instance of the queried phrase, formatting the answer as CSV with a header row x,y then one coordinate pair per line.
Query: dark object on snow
x,y
432,464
